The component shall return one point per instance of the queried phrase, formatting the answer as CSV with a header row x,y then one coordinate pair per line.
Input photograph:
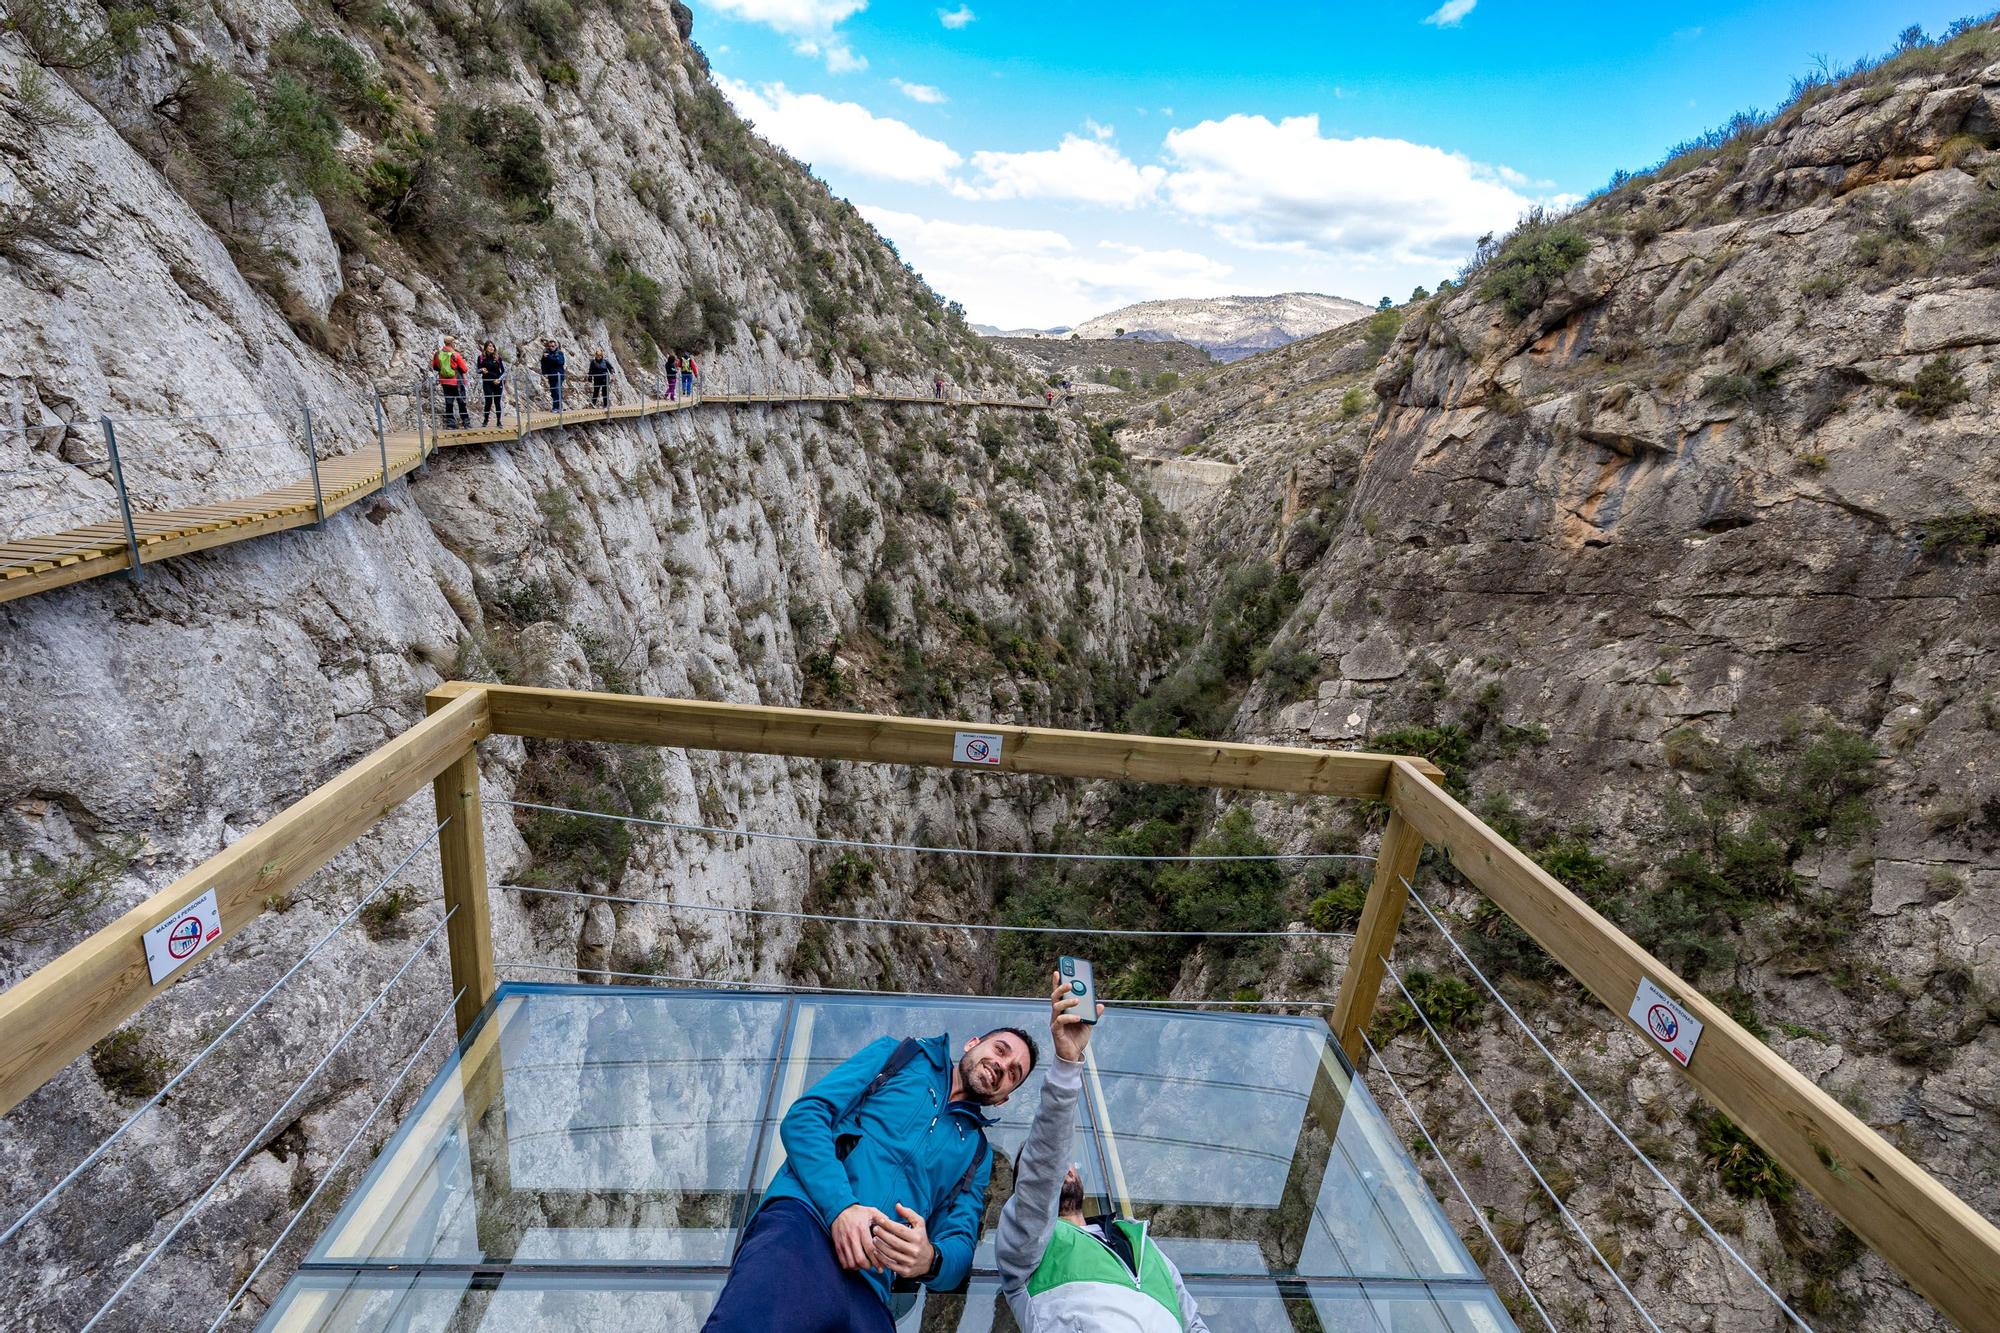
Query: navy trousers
x,y
785,1279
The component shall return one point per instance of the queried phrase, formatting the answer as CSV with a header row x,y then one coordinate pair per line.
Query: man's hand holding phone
x,y
1069,1030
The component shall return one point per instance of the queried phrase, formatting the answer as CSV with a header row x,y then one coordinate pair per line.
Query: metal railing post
x,y
382,439
124,500
417,410
520,419
312,456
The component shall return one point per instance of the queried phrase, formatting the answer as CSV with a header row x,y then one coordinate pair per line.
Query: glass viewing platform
x,y
589,1157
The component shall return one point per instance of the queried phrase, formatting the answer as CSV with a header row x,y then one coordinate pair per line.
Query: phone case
x,y
1082,984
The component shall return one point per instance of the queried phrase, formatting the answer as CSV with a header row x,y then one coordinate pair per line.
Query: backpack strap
x,y
906,1050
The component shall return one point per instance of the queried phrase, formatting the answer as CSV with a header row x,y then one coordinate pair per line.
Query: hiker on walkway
x,y
687,375
492,385
673,374
552,371
883,1186
451,368
937,386
600,379
1058,1269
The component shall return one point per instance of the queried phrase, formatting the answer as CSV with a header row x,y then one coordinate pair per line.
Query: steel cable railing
x,y
333,1167
1001,853
96,1154
277,1118
1604,1115
1549,1190
1478,1214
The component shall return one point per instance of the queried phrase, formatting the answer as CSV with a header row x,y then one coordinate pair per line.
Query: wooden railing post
x,y
1375,937
462,861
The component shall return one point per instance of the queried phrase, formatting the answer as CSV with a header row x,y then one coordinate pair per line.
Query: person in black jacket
x,y
600,379
492,384
552,371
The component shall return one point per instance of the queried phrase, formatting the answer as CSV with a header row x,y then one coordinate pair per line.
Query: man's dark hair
x,y
1034,1051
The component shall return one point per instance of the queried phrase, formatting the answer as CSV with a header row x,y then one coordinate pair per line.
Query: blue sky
x,y
1043,163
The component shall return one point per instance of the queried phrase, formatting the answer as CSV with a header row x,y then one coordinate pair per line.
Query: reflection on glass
x,y
588,1126
379,1302
608,1126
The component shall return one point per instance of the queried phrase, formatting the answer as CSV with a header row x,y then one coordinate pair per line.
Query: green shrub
x,y
852,519
1225,895
1167,381
126,1068
532,600
1448,746
931,496
1339,908
1353,402
1937,388
1383,326
878,604
1529,262
328,63
583,776
1967,530
1746,1171
1119,378
49,897
382,918
1287,670
507,143
1450,1004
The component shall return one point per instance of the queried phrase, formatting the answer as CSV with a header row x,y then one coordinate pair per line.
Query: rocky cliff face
x,y
498,180
1673,540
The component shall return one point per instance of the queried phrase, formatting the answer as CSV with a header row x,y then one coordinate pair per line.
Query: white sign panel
x,y
975,747
182,936
1673,1027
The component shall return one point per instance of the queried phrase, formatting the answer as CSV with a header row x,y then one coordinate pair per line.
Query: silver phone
x,y
1082,984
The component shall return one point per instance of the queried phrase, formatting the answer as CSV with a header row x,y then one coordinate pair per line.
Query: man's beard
x,y
967,1065
1071,1198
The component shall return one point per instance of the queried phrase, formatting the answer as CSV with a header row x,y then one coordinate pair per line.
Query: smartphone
x,y
1082,984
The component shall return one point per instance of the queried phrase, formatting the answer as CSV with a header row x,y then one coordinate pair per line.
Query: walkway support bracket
x,y
124,500
312,457
382,441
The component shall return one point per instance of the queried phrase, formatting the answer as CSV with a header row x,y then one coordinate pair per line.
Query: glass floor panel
x,y
582,1134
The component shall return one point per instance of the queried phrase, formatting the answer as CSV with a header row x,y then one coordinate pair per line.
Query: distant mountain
x,y
995,331
1229,327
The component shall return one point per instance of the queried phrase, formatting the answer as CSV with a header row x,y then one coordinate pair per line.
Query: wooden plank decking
x,y
29,565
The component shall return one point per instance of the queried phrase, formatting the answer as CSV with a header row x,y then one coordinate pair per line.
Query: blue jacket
x,y
914,1144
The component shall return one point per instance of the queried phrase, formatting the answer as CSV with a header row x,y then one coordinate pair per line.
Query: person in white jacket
x,y
1060,1271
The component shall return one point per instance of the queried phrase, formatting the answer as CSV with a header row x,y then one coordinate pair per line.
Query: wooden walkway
x,y
29,565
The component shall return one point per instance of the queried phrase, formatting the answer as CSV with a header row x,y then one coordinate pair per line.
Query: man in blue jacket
x,y
885,1175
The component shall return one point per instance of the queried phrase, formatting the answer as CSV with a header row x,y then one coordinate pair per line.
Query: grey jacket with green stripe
x,y
1057,1276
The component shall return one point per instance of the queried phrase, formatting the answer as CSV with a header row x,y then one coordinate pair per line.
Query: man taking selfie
x,y
884,1181
1059,1270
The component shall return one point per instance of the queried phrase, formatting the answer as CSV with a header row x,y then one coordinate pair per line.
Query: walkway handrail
x,y
1946,1250
138,537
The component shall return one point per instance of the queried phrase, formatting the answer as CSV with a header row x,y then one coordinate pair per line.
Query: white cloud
x,y
795,17
1019,276
920,92
956,18
1097,131
847,135
1451,13
1283,186
809,22
1087,171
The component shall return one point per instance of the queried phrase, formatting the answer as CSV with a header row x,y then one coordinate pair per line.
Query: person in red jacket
x,y
451,370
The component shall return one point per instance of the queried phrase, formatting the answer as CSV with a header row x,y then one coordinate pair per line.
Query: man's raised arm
x,y
1029,1215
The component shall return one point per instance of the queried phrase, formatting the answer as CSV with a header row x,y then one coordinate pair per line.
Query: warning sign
x,y
1673,1027
182,936
975,747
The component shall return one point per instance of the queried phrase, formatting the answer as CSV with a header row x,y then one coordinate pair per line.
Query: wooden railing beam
x,y
462,865
59,1011
1375,935
752,728
1947,1251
